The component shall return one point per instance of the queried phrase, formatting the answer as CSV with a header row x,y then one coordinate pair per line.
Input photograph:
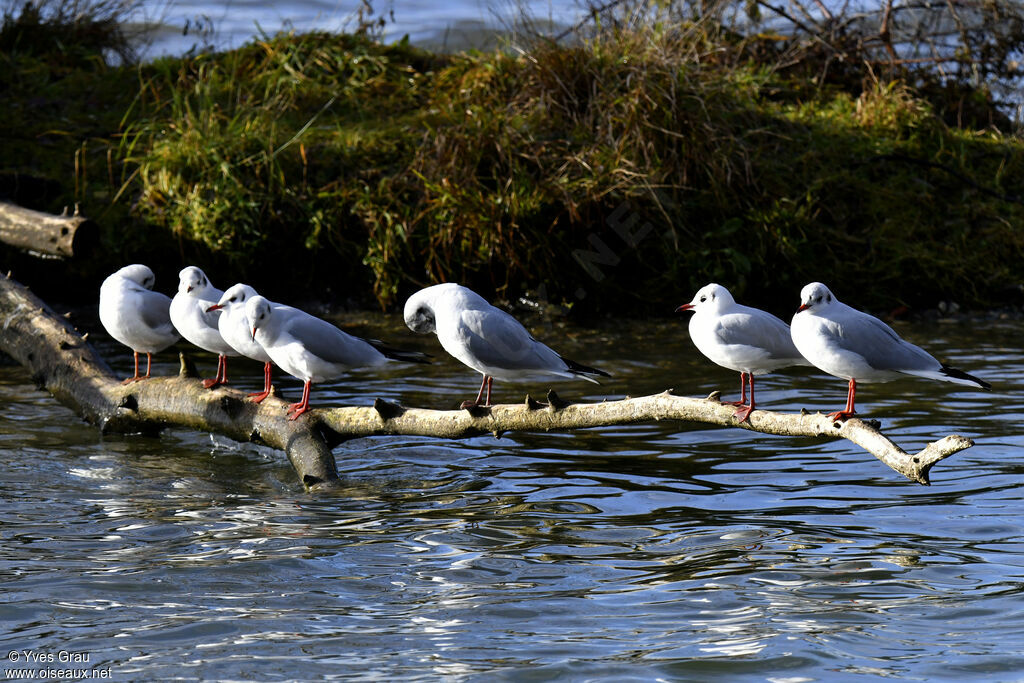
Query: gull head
x,y
192,280
709,298
258,311
139,274
419,313
235,295
815,297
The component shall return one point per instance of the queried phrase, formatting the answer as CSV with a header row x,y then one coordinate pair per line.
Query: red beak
x,y
254,333
684,307
215,307
803,307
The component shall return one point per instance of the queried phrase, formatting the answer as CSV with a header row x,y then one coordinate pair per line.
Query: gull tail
x,y
961,377
583,371
393,353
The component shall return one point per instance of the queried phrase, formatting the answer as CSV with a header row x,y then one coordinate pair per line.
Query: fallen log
x,y
44,234
62,361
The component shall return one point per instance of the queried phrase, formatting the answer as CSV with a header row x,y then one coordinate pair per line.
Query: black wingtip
x,y
960,374
581,369
399,354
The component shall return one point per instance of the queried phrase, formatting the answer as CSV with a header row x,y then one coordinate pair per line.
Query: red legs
x,y
744,412
743,392
849,412
222,374
485,383
136,377
258,396
296,409
744,408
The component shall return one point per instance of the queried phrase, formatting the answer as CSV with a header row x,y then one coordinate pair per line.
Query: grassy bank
x,y
618,174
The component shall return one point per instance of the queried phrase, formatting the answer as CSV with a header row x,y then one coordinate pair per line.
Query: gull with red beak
x,y
312,349
236,330
855,346
747,340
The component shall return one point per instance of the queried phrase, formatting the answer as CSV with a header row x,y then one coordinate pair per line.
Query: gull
x,y
136,316
486,338
236,330
856,346
747,340
312,349
190,317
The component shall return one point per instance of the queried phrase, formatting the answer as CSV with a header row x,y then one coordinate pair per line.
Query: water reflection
x,y
647,551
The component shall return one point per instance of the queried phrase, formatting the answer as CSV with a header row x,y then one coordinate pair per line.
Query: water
x,y
662,551
186,24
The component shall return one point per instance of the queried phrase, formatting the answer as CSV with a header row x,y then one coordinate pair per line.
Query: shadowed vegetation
x,y
620,172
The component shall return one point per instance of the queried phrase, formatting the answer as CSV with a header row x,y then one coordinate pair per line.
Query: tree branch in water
x,y
63,362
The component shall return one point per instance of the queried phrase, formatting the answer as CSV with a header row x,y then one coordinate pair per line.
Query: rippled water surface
x,y
671,551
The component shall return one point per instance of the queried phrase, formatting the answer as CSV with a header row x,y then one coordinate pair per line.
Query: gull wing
x,y
154,309
331,344
761,330
879,344
498,340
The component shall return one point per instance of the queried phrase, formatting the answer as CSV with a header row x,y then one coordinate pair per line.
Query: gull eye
x,y
703,299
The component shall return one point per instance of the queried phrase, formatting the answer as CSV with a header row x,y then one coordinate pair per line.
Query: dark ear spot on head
x,y
423,320
828,298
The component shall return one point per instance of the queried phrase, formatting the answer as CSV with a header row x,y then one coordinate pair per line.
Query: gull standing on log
x,y
312,349
856,346
135,315
190,316
486,338
236,330
747,340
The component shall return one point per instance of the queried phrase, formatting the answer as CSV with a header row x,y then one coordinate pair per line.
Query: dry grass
x,y
377,169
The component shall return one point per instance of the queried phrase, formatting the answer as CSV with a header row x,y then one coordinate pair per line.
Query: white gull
x,y
485,338
856,346
136,316
236,330
312,349
747,340
198,325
